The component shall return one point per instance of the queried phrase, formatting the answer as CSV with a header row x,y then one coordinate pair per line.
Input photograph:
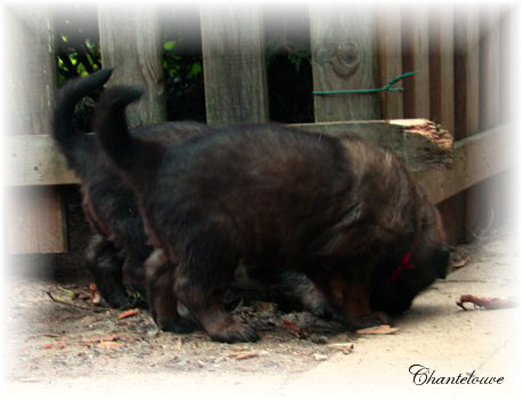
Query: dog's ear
x,y
440,259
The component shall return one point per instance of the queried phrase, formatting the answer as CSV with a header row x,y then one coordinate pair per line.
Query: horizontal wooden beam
x,y
35,161
419,143
476,158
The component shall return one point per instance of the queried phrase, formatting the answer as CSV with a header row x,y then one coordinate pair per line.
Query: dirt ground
x,y
59,341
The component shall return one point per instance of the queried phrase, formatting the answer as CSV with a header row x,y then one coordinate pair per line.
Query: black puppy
x,y
118,247
342,211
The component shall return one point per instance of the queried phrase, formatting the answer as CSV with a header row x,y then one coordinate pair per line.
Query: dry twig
x,y
489,303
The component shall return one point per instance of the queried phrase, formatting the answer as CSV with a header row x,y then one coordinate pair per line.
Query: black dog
x,y
344,212
118,247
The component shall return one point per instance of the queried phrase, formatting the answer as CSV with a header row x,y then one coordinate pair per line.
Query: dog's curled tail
x,y
63,119
111,124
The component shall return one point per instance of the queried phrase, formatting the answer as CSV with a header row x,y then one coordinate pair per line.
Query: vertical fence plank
x,y
390,58
130,42
467,66
344,56
442,102
34,216
233,63
484,199
467,81
415,47
490,60
509,54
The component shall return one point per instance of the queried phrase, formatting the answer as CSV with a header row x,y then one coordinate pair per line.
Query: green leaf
x,y
169,45
195,70
73,57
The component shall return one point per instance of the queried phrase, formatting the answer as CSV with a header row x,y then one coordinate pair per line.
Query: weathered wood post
x,y
415,47
484,200
344,56
390,58
233,63
467,86
442,100
34,215
130,42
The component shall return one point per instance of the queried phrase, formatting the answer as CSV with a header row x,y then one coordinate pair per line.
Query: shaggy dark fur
x,y
342,211
119,247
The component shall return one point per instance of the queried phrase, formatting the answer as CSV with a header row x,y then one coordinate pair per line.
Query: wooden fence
x,y
462,85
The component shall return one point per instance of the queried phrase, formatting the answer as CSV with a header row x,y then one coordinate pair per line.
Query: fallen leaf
x,y
460,263
110,345
294,329
72,294
98,339
51,335
320,357
378,330
342,346
95,295
489,303
128,313
246,356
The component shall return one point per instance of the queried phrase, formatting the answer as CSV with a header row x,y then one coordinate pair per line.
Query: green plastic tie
x,y
386,88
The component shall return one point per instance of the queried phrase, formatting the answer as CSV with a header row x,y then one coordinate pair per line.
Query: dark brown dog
x,y
344,212
118,248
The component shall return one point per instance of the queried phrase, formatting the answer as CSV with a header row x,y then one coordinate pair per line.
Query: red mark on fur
x,y
405,264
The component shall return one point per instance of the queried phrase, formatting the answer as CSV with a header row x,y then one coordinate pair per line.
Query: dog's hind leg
x,y
204,272
163,304
105,265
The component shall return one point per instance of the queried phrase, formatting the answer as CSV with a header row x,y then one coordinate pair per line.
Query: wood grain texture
x,y
34,161
130,42
472,159
441,67
490,60
476,158
35,221
467,95
467,71
485,200
390,58
344,56
442,103
420,144
233,63
509,51
415,47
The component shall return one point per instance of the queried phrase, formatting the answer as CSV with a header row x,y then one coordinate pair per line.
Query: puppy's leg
x,y
163,304
105,264
349,290
356,291
299,287
202,278
297,290
134,275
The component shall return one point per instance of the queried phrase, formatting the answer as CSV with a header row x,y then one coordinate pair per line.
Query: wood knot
x,y
347,59
344,58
